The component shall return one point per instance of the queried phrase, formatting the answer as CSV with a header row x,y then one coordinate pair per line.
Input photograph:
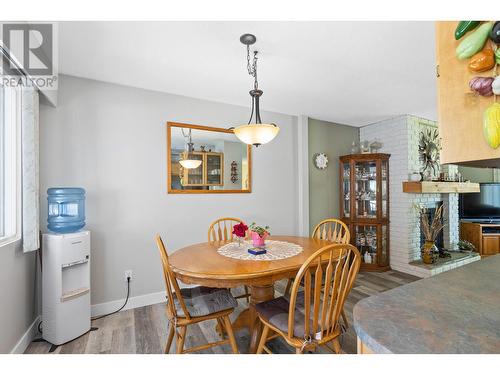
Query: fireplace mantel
x,y
438,187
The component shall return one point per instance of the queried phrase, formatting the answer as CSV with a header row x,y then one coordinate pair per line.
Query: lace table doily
x,y
275,250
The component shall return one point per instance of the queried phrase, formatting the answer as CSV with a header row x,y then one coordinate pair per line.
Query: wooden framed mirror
x,y
206,160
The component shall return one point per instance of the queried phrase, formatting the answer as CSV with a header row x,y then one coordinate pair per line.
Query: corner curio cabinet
x,y
364,206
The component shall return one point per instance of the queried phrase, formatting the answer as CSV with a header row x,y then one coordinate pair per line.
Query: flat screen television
x,y
482,206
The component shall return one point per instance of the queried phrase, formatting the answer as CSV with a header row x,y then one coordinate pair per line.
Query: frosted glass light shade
x,y
190,163
256,134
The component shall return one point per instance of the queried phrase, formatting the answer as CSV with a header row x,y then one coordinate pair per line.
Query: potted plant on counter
x,y
259,234
430,230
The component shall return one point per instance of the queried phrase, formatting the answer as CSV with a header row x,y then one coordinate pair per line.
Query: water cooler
x,y
65,268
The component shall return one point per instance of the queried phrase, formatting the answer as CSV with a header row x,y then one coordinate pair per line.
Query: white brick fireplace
x,y
400,138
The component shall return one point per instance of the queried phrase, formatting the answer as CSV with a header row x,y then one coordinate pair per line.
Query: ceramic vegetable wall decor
x,y
495,86
482,85
483,60
474,42
495,32
491,125
464,26
480,42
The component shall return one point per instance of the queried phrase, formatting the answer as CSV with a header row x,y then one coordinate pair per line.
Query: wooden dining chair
x,y
189,306
222,230
336,231
332,230
311,317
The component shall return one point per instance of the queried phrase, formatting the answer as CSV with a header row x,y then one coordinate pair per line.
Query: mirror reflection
x,y
207,160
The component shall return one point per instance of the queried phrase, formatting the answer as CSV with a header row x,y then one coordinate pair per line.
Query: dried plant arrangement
x,y
431,229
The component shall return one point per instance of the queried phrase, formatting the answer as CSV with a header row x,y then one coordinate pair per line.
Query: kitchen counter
x,y
454,312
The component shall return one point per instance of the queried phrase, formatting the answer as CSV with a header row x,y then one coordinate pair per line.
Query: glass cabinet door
x,y
384,199
366,189
366,240
346,189
384,246
214,169
372,242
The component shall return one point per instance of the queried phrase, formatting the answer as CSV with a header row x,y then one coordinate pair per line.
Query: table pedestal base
x,y
248,318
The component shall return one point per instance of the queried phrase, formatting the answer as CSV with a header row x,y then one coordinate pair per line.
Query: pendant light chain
x,y
252,67
189,145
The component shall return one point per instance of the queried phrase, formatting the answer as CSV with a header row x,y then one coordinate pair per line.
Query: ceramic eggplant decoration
x,y
474,42
482,85
464,27
482,61
495,32
495,86
491,125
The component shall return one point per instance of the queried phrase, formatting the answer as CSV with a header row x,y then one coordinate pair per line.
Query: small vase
x,y
257,240
428,251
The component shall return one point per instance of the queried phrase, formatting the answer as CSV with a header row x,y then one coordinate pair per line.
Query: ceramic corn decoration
x,y
474,42
491,125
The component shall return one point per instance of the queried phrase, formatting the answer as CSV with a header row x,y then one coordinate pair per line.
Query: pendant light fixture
x,y
254,133
185,161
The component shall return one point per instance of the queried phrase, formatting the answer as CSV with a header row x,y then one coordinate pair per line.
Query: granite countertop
x,y
454,312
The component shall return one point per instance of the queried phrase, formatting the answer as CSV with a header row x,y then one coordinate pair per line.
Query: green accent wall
x,y
334,140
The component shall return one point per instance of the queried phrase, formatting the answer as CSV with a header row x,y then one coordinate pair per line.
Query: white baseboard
x,y
28,336
133,302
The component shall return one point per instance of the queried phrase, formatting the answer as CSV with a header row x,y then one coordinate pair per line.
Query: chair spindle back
x,y
222,229
338,264
332,230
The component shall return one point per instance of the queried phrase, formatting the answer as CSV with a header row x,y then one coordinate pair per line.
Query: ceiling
x,y
352,73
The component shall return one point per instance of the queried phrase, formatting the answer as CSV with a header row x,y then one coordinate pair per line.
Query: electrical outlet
x,y
128,274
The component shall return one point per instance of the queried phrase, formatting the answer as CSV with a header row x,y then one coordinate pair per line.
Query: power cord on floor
x,y
121,308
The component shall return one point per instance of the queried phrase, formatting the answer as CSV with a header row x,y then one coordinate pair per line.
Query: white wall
x,y
17,294
110,140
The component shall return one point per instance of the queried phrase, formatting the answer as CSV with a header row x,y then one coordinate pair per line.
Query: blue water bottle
x,y
66,209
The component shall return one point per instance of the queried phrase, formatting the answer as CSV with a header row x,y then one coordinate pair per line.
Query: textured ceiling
x,y
353,73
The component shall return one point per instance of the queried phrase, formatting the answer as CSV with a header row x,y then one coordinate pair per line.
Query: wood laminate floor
x,y
144,329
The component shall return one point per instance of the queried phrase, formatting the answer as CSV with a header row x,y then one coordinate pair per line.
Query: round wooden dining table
x,y
201,264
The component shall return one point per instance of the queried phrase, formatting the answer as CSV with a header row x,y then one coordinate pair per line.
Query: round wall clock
x,y
320,160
